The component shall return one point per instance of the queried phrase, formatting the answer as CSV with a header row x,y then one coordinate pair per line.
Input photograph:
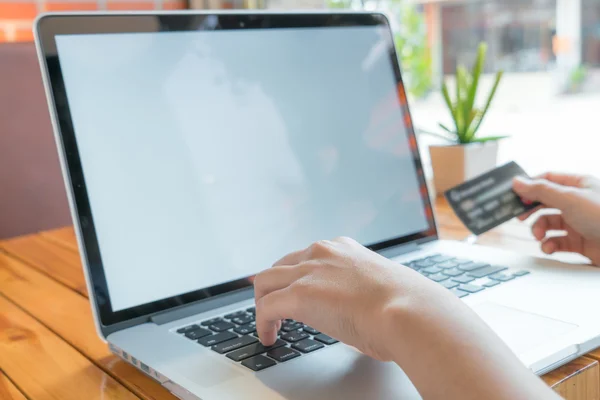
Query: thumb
x,y
548,193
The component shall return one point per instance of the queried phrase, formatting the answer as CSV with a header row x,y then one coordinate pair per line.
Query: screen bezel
x,y
51,25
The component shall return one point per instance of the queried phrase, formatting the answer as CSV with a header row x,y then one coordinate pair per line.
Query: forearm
x,y
448,352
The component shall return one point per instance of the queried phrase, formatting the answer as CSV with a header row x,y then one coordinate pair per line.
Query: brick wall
x,y
16,16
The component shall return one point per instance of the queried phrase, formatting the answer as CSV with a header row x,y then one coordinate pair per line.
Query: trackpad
x,y
521,330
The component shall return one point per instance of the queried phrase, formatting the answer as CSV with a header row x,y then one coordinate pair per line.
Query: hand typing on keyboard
x,y
392,313
339,286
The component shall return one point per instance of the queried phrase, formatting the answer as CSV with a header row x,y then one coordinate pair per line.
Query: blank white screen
x,y
209,155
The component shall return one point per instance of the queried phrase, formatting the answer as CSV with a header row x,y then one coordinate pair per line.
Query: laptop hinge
x,y
212,303
396,251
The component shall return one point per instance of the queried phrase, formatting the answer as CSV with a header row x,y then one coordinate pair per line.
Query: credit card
x,y
487,201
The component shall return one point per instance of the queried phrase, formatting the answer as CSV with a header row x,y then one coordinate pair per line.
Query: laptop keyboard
x,y
461,276
234,335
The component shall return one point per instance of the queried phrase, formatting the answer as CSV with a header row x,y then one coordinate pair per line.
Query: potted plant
x,y
467,155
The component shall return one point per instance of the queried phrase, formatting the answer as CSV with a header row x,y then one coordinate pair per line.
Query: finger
x,y
277,278
572,180
315,250
299,256
270,310
344,239
545,223
293,258
548,193
557,244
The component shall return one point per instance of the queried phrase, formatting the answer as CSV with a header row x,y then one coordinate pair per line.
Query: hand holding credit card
x,y
487,201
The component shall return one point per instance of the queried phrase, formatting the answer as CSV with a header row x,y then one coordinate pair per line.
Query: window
x,y
16,16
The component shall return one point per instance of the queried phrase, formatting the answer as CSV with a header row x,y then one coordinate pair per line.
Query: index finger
x,y
562,179
270,310
276,278
293,258
571,180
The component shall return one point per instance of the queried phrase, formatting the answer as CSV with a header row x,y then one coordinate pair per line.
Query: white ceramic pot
x,y
455,164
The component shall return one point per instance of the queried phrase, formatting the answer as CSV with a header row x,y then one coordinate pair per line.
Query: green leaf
x,y
451,107
487,105
437,135
488,139
444,127
477,70
474,114
464,112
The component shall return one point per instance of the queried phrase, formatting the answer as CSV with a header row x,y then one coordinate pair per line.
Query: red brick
x,y
18,9
91,5
24,35
130,5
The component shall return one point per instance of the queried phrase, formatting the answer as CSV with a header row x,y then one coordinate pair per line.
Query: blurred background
x,y
547,103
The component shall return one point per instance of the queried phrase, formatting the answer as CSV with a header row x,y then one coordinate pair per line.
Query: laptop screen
x,y
208,155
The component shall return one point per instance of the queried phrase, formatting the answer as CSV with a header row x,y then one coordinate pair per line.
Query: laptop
x,y
198,148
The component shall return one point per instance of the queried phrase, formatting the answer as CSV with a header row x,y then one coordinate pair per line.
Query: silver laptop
x,y
198,148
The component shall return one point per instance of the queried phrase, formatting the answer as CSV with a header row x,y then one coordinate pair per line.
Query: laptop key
x,y
310,330
432,270
472,266
447,265
221,326
243,319
453,272
491,283
279,333
295,336
463,279
291,326
216,339
459,293
197,334
187,328
211,321
251,310
412,265
258,363
471,288
489,270
246,329
252,350
234,344
235,314
502,277
521,273
307,345
462,261
449,284
438,277
283,354
440,259
424,263
325,339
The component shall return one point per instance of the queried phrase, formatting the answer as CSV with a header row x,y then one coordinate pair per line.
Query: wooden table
x,y
49,348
